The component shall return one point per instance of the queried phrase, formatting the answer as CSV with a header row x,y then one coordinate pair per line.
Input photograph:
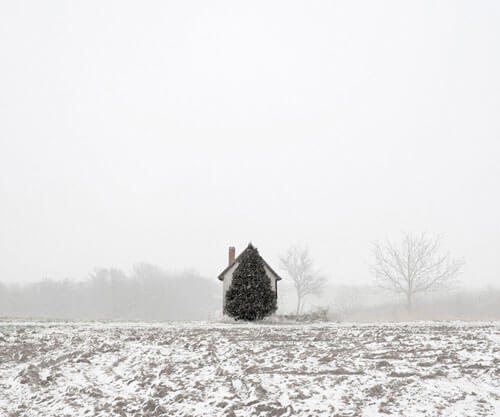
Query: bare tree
x,y
416,266
299,266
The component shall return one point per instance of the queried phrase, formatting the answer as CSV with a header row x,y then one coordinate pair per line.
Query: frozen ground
x,y
85,369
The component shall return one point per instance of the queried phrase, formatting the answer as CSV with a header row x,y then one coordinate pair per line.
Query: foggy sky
x,y
166,131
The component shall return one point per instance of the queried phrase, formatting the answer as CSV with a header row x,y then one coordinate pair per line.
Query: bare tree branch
x,y
416,266
299,266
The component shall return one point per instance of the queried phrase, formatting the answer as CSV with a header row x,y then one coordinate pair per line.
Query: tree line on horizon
x,y
405,270
147,293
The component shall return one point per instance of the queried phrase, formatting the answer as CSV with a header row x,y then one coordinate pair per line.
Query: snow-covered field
x,y
201,369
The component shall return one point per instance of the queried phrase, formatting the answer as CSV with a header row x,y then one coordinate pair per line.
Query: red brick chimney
x,y
231,254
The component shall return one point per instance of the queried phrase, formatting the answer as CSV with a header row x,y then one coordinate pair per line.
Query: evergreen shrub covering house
x,y
249,286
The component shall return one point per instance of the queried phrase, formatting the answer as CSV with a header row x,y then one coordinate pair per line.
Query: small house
x,y
226,275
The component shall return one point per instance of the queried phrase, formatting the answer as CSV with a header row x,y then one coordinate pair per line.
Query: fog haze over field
x,y
164,132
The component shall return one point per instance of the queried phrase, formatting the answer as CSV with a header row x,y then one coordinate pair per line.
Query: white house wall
x,y
228,278
272,277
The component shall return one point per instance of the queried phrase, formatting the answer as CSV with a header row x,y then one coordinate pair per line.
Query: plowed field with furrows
x,y
205,369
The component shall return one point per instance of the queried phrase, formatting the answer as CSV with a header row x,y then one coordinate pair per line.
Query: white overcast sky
x,y
165,131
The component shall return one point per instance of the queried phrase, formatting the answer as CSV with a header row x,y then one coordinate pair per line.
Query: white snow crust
x,y
222,369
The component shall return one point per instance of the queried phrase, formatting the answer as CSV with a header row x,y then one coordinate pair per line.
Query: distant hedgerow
x,y
250,296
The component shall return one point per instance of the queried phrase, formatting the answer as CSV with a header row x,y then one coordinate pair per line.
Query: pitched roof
x,y
221,275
